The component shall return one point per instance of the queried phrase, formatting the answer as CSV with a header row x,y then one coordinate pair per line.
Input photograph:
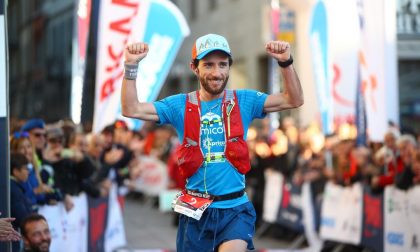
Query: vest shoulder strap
x,y
192,97
229,95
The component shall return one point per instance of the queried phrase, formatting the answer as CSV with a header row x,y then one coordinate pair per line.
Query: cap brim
x,y
203,54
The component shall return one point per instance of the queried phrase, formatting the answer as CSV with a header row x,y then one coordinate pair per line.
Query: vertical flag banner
x,y
343,47
377,47
321,64
80,40
354,55
361,139
161,25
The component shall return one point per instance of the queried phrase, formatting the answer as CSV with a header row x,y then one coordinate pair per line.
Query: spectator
x,y
37,134
36,233
20,205
69,128
34,188
60,171
87,169
407,149
95,146
395,168
115,157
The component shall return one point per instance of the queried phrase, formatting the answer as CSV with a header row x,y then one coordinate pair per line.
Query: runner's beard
x,y
208,87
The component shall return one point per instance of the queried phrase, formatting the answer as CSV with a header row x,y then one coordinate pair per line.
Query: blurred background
x,y
42,33
340,173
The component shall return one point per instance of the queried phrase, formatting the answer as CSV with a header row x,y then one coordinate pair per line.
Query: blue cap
x,y
209,43
33,124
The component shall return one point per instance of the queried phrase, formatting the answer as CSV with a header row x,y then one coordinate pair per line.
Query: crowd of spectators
x,y
52,163
55,162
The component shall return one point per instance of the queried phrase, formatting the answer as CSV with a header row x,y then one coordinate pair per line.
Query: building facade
x,y
40,36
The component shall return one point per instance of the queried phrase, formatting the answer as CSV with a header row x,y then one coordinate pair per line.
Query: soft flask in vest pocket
x,y
190,159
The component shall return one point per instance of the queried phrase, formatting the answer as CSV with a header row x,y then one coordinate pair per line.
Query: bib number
x,y
191,206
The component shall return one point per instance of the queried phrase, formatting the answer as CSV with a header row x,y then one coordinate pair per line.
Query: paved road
x,y
148,229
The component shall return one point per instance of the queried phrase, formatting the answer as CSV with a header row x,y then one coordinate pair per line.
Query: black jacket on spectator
x,y
120,167
65,176
88,178
404,180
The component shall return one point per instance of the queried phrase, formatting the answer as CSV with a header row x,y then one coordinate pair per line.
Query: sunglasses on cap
x,y
20,134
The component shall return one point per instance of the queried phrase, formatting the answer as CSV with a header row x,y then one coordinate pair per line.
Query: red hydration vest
x,y
190,156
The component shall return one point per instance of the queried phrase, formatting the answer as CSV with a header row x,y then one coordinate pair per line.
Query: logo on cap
x,y
209,43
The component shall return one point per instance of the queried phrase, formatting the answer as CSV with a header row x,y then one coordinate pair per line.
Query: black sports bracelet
x,y
286,63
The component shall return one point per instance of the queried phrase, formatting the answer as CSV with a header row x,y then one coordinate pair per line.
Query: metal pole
x,y
4,122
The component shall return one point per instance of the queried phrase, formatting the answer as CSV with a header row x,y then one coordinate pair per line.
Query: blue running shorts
x,y
217,225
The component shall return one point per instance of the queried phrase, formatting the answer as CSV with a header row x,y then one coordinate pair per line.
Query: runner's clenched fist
x,y
135,52
280,50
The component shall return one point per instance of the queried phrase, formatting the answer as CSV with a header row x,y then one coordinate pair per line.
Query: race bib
x,y
191,206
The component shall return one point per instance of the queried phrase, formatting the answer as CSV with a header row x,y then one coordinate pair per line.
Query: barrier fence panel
x,y
94,224
373,220
290,212
272,195
402,219
341,216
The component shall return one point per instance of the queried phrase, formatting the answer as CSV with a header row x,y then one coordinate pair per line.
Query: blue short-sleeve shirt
x,y
217,176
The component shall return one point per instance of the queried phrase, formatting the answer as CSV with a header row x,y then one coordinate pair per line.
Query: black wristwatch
x,y
286,63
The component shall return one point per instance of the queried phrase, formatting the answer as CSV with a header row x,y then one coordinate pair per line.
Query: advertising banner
x,y
161,25
342,213
373,223
68,229
272,195
290,213
53,215
115,232
98,212
152,176
402,218
396,233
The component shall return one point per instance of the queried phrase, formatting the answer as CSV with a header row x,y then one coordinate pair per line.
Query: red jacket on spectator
x,y
392,169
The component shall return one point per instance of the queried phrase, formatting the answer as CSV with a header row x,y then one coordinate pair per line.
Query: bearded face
x,y
213,72
214,86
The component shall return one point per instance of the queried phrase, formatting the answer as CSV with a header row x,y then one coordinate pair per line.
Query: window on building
x,y
408,17
409,89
